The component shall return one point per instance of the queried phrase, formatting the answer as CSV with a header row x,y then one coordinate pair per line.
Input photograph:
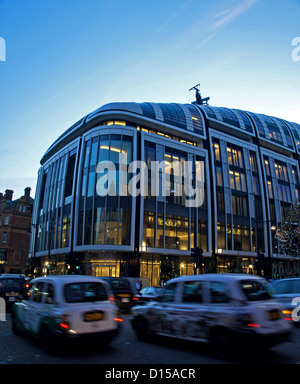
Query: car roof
x,y
62,279
217,277
7,276
286,279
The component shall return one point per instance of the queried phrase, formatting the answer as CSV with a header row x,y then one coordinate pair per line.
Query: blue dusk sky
x,y
66,58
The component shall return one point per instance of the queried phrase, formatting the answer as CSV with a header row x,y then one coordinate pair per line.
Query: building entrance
x,y
169,267
104,270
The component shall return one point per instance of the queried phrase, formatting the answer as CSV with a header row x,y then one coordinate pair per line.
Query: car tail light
x,y
135,298
246,321
287,315
64,323
253,325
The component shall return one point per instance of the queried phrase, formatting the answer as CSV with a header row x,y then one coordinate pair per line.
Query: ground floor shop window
x,y
226,264
161,268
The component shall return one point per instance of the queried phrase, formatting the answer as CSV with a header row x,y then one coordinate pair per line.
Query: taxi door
x,y
35,306
163,312
191,311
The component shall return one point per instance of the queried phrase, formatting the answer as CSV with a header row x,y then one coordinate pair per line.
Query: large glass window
x,y
235,156
149,230
105,218
238,225
53,227
168,220
70,174
219,182
296,183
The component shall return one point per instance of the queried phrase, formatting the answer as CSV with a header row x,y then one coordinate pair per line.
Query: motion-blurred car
x,y
124,296
12,287
149,294
65,308
226,310
287,291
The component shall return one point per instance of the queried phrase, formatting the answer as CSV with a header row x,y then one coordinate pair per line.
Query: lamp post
x,y
51,221
32,259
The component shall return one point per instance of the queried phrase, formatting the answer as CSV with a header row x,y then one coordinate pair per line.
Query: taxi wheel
x,y
141,329
221,343
15,330
48,341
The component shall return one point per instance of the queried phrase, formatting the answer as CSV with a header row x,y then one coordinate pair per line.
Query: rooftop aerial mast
x,y
199,99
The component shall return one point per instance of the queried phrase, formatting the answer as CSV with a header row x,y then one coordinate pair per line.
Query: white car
x,y
61,308
227,310
287,291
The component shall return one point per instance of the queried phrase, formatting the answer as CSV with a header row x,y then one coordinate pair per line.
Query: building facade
x,y
15,220
131,188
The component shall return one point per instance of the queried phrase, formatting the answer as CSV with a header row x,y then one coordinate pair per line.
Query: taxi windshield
x,y
256,290
84,292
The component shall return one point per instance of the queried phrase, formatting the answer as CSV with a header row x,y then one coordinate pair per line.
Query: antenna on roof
x,y
199,99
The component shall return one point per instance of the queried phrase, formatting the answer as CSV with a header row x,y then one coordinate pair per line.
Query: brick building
x,y
15,219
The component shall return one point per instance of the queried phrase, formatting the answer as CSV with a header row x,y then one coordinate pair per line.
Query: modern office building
x,y
223,181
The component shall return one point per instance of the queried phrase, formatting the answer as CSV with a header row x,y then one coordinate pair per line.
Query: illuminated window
x,y
267,167
217,154
270,189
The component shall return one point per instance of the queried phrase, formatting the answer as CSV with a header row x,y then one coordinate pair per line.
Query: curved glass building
x,y
131,188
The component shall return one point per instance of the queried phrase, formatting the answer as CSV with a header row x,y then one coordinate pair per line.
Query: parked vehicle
x,y
149,294
64,308
287,291
12,287
124,295
226,310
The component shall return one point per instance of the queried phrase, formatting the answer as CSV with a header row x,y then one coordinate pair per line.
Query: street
x,y
127,349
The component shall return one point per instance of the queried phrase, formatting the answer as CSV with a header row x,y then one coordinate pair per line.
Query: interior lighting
x,y
112,149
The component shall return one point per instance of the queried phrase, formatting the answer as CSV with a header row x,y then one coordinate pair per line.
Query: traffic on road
x,y
197,319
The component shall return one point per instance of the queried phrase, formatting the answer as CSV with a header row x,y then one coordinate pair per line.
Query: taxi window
x,y
256,290
49,294
218,292
192,292
84,292
37,292
169,293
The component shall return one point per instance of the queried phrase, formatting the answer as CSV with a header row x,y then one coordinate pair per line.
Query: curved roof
x,y
233,117
272,129
183,116
189,118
